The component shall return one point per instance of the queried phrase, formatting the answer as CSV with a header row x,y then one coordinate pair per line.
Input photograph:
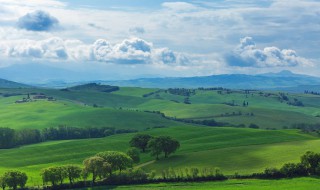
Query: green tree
x,y
155,147
54,175
73,172
169,145
15,178
164,144
311,161
93,165
7,138
140,141
3,183
134,154
118,160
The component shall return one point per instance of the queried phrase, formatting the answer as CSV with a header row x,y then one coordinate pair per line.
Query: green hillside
x,y
241,150
231,149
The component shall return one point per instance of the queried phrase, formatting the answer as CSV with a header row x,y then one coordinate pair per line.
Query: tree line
x,y
115,168
11,138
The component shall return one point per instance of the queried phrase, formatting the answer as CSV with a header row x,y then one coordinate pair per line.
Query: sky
x,y
125,39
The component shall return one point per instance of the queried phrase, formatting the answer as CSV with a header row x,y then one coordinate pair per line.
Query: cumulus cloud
x,y
52,48
129,51
248,55
37,21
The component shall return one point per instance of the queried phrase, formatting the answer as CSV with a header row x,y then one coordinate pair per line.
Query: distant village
x,y
34,96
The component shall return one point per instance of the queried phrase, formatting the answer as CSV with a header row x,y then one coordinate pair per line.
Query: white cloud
x,y
129,51
248,55
52,48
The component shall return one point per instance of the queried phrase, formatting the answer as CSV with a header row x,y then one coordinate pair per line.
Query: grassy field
x,y
42,114
284,184
231,149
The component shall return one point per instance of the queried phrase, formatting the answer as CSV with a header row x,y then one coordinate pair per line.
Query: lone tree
x,y
93,165
15,178
117,160
164,144
140,141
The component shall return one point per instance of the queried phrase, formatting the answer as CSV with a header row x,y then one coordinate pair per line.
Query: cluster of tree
x,y
181,91
10,94
56,175
254,126
311,92
187,100
283,97
245,104
295,102
151,93
104,164
236,114
212,89
307,128
11,138
156,145
13,179
93,87
309,165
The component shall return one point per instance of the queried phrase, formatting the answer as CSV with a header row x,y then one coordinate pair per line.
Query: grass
x,y
42,114
233,150
216,147
285,184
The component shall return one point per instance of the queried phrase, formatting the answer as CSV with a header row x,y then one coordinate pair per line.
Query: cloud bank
x,y
248,55
129,51
37,21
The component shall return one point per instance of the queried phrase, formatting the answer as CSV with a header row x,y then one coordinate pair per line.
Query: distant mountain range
x,y
284,79
52,77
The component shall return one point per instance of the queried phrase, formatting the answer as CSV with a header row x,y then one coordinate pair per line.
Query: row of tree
x,y
113,167
10,138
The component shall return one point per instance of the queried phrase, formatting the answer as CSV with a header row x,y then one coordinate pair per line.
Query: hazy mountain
x,y
10,84
37,73
282,79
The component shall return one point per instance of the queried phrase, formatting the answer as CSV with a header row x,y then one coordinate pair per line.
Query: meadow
x,y
233,150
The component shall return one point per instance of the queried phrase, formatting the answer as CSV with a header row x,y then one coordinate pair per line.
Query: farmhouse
x,y
40,96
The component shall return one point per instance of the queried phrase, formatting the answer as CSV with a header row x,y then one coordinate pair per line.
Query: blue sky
x,y
126,39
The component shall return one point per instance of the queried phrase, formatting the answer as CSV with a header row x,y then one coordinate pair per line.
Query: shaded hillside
x,y
94,87
10,84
